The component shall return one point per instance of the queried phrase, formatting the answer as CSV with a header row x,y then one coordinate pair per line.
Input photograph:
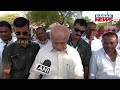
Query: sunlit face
x,y
22,33
41,35
78,30
109,44
5,33
59,43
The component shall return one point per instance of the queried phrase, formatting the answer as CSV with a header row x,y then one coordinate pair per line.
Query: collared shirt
x,y
118,46
64,65
2,45
102,67
118,34
84,50
42,43
19,59
96,44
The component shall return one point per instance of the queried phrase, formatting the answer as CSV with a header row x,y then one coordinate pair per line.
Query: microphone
x,y
44,68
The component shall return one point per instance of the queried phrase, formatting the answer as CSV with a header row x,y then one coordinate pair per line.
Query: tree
x,y
9,18
44,18
104,24
118,23
65,16
47,18
87,19
101,25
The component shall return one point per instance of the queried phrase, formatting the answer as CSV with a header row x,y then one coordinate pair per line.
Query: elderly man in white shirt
x,y
65,60
6,39
90,37
105,63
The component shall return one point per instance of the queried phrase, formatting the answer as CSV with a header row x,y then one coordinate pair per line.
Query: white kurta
x,y
64,65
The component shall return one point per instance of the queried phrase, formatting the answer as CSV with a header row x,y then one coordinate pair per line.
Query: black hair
x,y
20,22
41,28
6,24
89,23
110,34
81,22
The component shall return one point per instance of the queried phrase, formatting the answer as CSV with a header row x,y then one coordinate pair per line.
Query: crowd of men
x,y
59,54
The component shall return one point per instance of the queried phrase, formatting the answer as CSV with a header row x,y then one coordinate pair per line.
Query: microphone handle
x,y
40,76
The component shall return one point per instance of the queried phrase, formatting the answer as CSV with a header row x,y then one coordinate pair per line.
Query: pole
x,y
79,14
107,24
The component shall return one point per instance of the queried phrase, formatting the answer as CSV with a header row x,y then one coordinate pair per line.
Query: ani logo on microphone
x,y
103,17
43,69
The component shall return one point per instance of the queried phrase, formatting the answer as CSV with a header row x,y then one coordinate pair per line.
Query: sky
x,y
90,14
10,12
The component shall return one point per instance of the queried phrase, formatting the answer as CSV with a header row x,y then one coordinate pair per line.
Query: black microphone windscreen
x,y
47,63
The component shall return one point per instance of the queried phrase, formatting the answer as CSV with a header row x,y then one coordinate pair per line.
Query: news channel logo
x,y
103,17
43,69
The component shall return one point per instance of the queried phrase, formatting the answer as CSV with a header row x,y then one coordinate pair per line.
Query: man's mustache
x,y
77,35
22,39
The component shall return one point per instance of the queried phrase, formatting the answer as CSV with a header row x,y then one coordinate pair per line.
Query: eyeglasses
x,y
77,30
24,33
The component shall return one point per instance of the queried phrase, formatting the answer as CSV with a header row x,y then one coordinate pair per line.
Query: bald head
x,y
60,32
59,37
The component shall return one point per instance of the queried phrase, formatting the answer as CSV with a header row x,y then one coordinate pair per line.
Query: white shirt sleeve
x,y
33,73
93,66
78,71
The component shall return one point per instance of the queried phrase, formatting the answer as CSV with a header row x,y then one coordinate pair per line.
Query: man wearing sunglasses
x,y
19,56
80,45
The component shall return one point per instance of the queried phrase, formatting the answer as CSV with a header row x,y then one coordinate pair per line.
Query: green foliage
x,y
87,19
102,25
46,18
65,16
118,23
70,22
9,17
